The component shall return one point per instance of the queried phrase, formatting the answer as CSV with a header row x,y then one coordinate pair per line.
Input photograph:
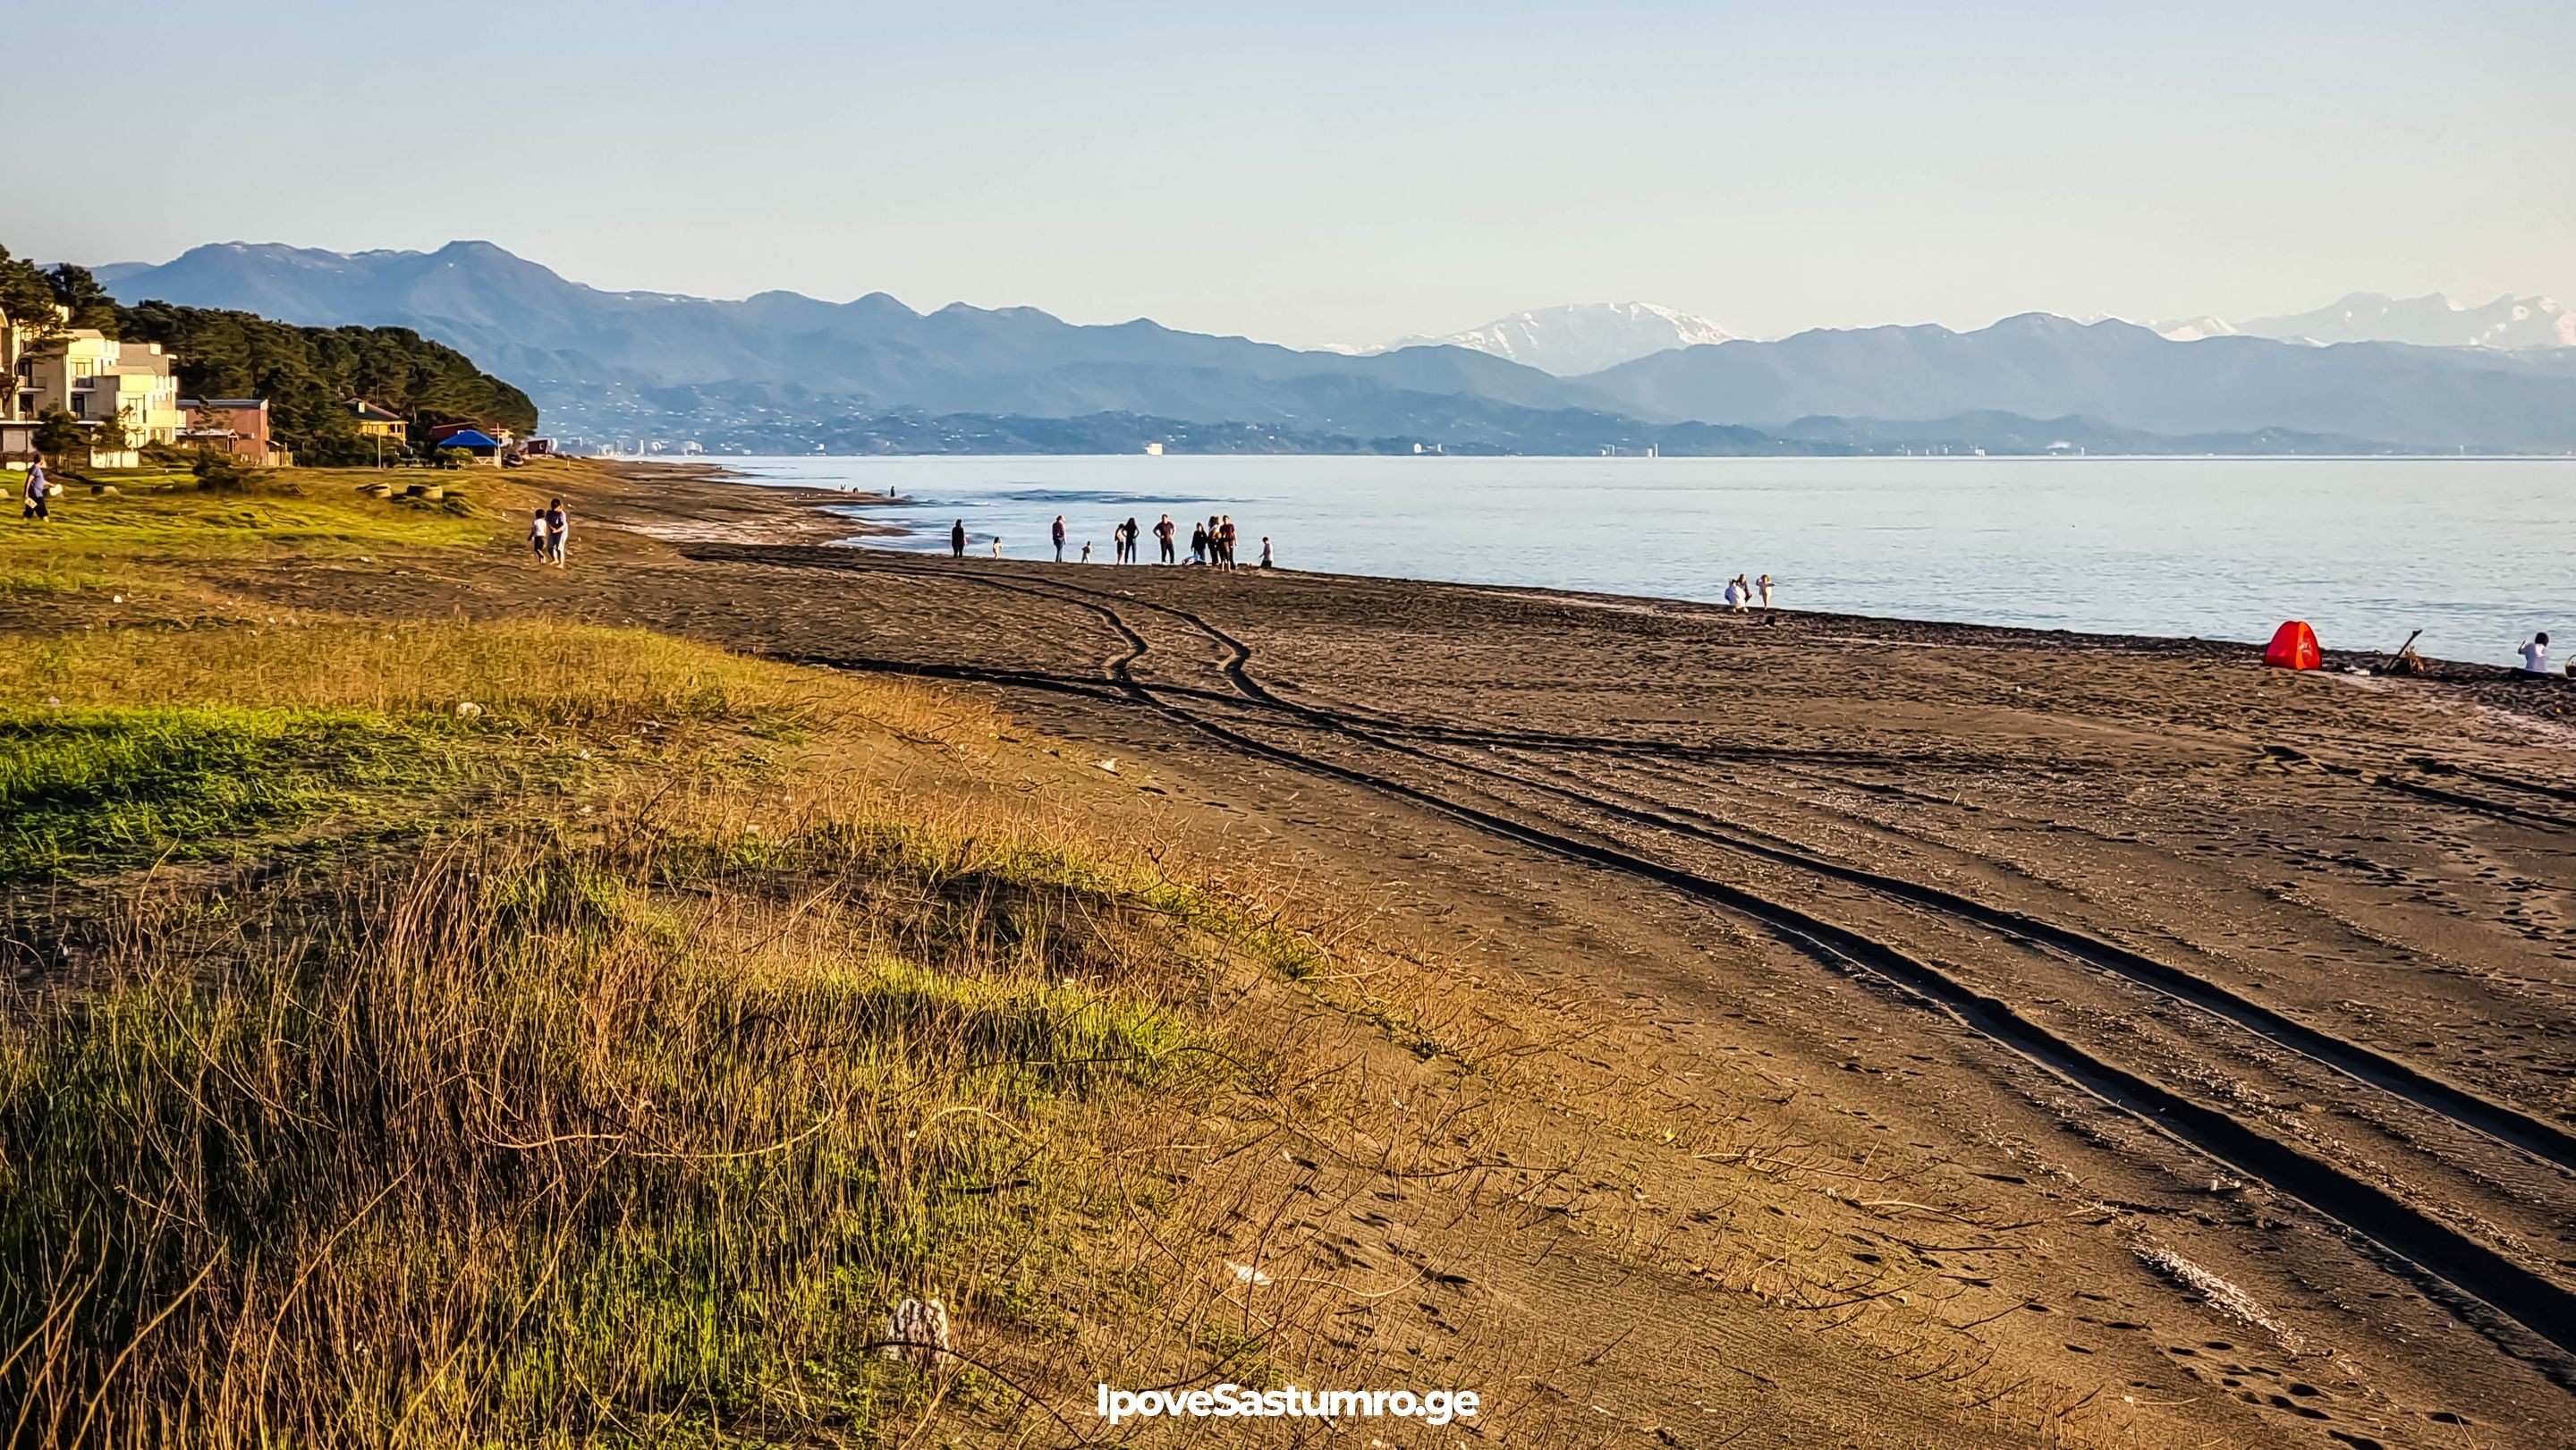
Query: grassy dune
x,y
159,520
598,1062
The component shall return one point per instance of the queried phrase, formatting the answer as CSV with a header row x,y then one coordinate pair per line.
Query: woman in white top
x,y
2535,654
1766,591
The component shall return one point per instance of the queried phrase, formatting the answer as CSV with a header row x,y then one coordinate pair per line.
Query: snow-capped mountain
x,y
1581,338
2435,321
2193,329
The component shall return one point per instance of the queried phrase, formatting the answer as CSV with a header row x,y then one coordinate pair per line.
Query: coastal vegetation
x,y
444,1074
158,524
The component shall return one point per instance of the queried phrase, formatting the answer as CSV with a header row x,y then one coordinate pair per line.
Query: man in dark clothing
x,y
957,540
1163,533
1059,538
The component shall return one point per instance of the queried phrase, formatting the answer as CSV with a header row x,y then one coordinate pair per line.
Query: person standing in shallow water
x,y
957,540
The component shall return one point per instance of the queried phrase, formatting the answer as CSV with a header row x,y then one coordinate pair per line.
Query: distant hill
x,y
1582,338
790,369
2119,374
575,345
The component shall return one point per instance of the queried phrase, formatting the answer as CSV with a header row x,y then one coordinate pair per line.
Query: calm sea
x,y
2477,553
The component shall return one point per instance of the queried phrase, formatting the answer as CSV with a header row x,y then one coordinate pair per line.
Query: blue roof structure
x,y
469,438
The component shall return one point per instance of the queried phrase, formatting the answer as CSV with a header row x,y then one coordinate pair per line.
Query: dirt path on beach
x,y
2216,1026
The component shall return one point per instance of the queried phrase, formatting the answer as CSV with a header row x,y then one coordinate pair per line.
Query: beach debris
x,y
1110,765
468,710
919,1331
2220,1295
2294,647
2405,661
1247,1274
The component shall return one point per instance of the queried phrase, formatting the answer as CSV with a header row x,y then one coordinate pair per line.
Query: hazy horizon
x,y
1349,176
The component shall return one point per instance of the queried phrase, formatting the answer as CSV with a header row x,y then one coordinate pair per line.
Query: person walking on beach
x,y
1766,591
2535,654
1086,551
540,538
1059,538
1163,533
1265,551
38,490
558,532
997,546
957,540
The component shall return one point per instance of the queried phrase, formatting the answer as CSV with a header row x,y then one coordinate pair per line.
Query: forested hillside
x,y
306,373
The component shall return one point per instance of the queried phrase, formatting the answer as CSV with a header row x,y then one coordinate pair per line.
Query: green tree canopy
x,y
75,288
26,296
308,374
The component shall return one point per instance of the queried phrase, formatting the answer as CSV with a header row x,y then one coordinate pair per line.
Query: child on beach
x,y
1265,551
1086,551
997,546
1766,591
540,538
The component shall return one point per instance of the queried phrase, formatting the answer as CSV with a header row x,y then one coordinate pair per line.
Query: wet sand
x,y
2132,939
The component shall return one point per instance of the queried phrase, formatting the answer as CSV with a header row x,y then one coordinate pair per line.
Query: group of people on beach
x,y
548,529
1212,544
1740,593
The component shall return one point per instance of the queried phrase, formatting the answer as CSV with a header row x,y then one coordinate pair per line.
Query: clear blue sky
x,y
1340,172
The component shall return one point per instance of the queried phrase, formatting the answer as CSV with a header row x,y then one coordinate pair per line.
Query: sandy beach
x,y
2205,1028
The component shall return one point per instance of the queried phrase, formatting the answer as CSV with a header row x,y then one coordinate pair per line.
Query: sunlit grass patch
x,y
481,1148
162,515
92,786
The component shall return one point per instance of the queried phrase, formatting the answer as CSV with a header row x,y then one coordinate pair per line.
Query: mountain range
x,y
784,371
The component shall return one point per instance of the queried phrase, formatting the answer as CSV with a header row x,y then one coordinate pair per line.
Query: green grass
x,y
482,1118
85,788
163,517
516,1157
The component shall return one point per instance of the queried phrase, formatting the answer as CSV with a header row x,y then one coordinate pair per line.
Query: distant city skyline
x,y
1349,174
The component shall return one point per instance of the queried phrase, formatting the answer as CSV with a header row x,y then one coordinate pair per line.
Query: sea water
x,y
2478,553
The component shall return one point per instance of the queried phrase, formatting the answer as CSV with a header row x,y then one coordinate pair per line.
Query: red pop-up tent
x,y
2294,647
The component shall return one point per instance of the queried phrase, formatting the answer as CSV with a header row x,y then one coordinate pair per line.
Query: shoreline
x,y
1899,629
